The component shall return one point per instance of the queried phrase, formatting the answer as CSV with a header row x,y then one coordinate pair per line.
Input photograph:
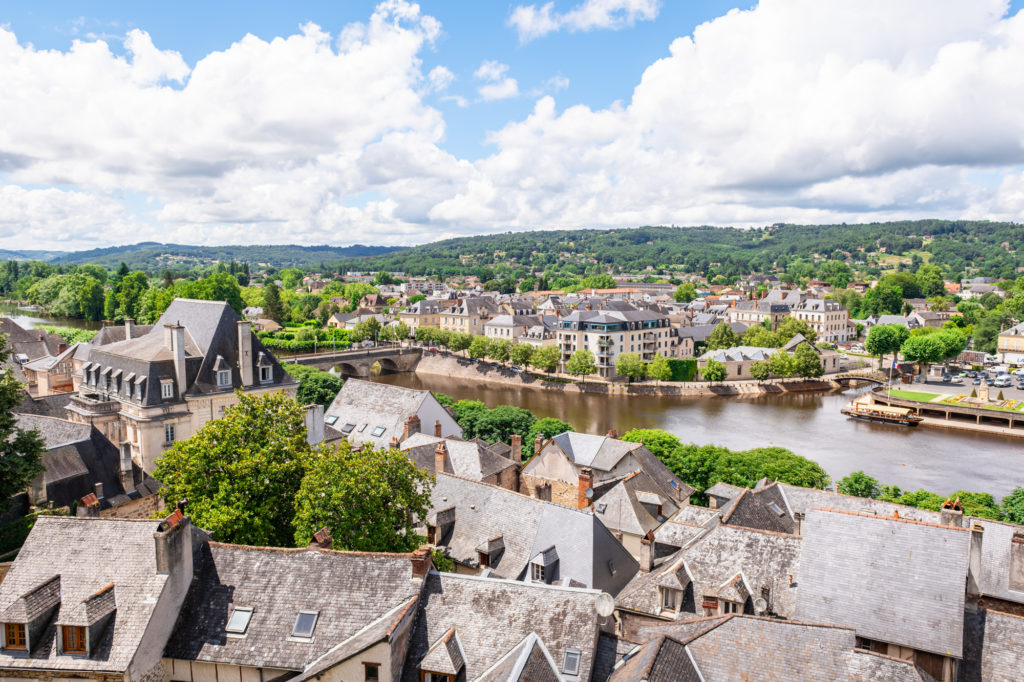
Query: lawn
x,y
914,395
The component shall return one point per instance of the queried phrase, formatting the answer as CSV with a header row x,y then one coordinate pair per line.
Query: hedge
x,y
683,370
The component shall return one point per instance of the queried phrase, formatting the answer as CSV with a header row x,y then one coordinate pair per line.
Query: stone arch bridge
x,y
360,362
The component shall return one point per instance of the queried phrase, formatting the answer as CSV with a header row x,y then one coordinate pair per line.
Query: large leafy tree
x,y
782,364
808,362
546,358
884,339
522,354
368,499
548,427
480,347
659,369
859,484
713,371
924,349
240,474
272,307
761,337
630,366
760,370
581,363
1013,506
315,385
883,299
685,293
722,336
21,451
791,326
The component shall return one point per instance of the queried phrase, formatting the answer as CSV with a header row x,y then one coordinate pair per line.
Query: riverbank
x,y
454,367
944,415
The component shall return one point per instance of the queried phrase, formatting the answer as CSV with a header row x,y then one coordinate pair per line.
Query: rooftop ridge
x,y
299,550
851,497
516,492
897,519
516,583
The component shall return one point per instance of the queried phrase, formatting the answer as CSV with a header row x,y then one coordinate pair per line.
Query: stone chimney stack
x,y
175,333
88,507
98,490
422,561
129,328
612,433
517,448
314,418
395,444
974,561
538,444
440,458
952,513
245,360
322,539
126,473
437,428
647,552
412,425
586,483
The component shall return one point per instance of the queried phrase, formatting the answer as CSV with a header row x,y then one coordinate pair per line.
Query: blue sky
x,y
452,118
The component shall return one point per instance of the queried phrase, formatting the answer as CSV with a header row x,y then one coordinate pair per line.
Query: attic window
x,y
571,662
305,623
72,639
347,428
239,620
362,427
601,507
166,388
224,378
378,431
266,375
14,636
538,573
331,419
775,508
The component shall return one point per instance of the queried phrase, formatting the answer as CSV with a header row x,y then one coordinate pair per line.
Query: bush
x,y
683,370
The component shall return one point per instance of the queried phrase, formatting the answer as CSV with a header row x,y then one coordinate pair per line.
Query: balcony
x,y
94,403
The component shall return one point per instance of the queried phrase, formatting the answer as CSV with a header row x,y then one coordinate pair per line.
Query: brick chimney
x,y
437,428
61,347
129,328
322,539
88,507
517,448
412,425
647,552
440,458
586,482
612,433
422,561
394,443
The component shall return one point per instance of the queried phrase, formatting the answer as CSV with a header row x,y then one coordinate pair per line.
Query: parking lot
x,y
936,385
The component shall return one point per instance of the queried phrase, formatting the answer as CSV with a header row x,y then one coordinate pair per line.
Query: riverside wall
x,y
456,367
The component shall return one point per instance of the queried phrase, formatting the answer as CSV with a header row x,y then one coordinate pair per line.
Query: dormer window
x,y
72,639
166,389
305,623
669,599
238,623
224,378
538,573
266,375
14,637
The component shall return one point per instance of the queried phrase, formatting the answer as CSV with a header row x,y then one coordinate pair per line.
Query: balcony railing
x,y
95,403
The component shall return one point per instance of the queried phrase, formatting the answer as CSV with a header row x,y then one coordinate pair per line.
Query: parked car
x,y
946,378
977,381
1002,382
514,368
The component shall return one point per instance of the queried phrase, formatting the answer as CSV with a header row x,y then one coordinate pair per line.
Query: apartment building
x,y
828,318
469,315
609,333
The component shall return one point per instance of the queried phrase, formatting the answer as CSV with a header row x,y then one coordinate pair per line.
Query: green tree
x,y
549,427
90,299
924,350
722,336
713,371
272,308
760,337
859,484
929,280
662,444
782,364
459,341
21,451
315,385
986,331
581,363
685,293
546,358
129,293
240,473
500,350
630,366
807,361
791,326
659,369
883,299
522,354
479,347
760,370
500,423
1013,506
110,305
370,500
884,339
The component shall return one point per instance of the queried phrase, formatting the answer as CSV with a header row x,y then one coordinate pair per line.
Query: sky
x,y
390,122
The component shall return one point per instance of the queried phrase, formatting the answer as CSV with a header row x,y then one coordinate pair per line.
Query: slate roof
x,y
992,647
114,333
350,590
119,552
493,617
894,580
466,459
713,561
662,659
631,505
997,541
380,405
528,527
46,406
530,661
763,509
685,525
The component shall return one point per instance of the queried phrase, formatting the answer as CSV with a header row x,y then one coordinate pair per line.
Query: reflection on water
x,y
31,320
810,424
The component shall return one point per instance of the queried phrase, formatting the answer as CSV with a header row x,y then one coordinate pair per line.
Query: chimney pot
x,y
538,443
586,483
437,428
394,443
647,552
412,425
440,458
322,539
129,328
612,433
98,489
422,561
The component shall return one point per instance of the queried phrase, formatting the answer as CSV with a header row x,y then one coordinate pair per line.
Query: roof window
x,y
777,509
331,419
347,428
378,431
239,620
305,623
571,662
362,427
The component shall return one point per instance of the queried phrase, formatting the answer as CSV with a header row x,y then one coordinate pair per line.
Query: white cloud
x,y
803,110
440,77
533,21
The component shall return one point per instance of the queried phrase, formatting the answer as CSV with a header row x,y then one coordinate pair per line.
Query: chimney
x,y
394,445
647,552
126,473
98,490
440,458
799,517
517,448
245,359
538,444
314,418
586,483
88,507
437,428
61,347
974,562
612,433
174,338
422,561
322,539
412,425
129,328
952,513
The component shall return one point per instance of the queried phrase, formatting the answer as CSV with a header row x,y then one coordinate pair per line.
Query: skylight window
x,y
305,623
378,431
347,428
777,509
601,507
362,427
571,662
239,620
331,419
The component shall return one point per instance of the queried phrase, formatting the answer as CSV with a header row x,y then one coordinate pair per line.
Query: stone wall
x,y
561,492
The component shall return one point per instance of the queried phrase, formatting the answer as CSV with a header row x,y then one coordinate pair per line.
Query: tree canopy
x,y
21,451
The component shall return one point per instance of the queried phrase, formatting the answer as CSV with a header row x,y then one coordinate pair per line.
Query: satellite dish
x,y
760,605
604,605
589,493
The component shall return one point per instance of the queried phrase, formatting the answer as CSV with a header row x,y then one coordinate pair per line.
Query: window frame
x,y
366,671
166,389
19,632
269,378
221,375
670,599
75,633
169,434
537,573
575,671
231,616
312,628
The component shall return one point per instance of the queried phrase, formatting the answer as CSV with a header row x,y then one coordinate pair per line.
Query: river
x,y
809,424
31,320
